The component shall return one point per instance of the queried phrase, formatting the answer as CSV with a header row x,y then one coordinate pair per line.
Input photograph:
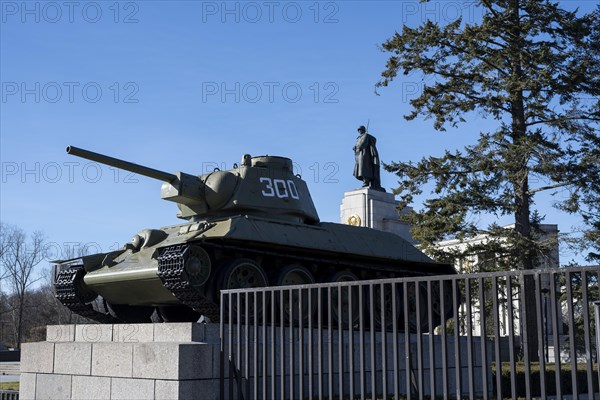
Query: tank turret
x,y
261,186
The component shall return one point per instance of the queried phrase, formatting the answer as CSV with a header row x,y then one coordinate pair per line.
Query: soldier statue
x,y
366,168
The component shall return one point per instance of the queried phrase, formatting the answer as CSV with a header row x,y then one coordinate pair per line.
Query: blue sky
x,y
189,85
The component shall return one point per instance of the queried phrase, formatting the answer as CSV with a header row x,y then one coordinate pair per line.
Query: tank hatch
x,y
274,162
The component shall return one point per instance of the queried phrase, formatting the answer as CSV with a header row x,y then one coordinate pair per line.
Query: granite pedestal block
x,y
374,209
125,361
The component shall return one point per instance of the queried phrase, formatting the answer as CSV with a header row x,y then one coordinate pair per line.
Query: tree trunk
x,y
520,178
20,320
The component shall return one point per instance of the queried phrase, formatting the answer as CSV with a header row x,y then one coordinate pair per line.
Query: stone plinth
x,y
125,361
324,362
373,209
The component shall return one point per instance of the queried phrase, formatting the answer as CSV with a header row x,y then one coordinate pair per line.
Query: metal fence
x,y
9,395
489,335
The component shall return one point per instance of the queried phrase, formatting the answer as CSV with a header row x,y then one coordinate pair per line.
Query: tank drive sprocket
x,y
172,271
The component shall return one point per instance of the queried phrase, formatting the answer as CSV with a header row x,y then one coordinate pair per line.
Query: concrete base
x,y
374,209
129,361
293,363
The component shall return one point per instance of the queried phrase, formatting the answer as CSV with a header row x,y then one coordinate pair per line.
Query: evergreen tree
x,y
533,70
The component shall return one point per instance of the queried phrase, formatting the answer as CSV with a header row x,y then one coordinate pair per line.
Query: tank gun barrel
x,y
126,165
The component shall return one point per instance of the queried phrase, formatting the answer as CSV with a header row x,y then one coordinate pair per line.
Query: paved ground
x,y
9,371
10,378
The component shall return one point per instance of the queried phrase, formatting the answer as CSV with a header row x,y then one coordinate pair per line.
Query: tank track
x,y
171,272
70,296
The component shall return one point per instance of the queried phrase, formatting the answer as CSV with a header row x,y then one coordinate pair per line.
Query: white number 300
x,y
279,188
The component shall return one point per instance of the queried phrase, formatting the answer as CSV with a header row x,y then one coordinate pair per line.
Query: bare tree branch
x,y
19,258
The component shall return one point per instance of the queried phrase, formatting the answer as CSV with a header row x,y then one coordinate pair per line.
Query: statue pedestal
x,y
374,209
129,361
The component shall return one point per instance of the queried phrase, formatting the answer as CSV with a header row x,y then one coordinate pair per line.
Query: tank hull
x,y
131,276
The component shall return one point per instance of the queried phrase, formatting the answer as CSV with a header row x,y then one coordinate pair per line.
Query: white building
x,y
474,263
481,262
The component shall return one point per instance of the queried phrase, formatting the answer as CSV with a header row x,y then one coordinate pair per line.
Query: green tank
x,y
252,226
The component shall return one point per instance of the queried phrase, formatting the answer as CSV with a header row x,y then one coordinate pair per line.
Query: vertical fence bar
x,y
320,339
301,343
597,317
340,315
540,334
483,338
372,341
457,364
511,336
587,334
246,343
329,345
230,355
290,343
420,372
384,390
395,341
282,344
239,366
309,349
222,353
469,317
497,356
524,335
265,343
274,347
351,339
572,339
444,338
362,342
407,338
597,327
255,352
430,336
555,308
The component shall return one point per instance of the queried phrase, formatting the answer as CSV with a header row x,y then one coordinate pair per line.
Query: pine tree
x,y
533,70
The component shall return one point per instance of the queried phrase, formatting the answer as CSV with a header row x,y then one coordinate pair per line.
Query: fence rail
x,y
487,335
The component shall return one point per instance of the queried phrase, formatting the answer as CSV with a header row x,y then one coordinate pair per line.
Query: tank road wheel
x,y
244,273
133,314
415,290
178,314
343,294
386,305
239,274
296,274
197,266
441,316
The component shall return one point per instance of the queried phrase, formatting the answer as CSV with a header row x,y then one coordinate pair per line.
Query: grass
x,y
550,378
9,385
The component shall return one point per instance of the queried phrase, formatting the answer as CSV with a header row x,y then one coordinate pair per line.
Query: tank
x,y
252,226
